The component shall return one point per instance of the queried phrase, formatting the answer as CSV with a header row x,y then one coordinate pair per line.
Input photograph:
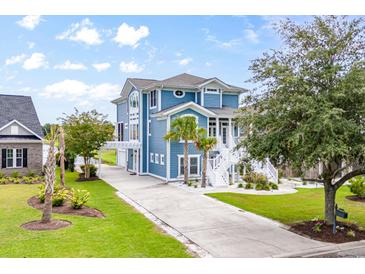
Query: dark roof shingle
x,y
20,108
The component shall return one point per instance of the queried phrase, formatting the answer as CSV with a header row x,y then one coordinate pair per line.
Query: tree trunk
x,y
62,158
330,200
47,210
186,175
87,168
204,175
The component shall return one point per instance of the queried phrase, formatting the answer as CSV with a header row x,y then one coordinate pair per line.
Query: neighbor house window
x,y
193,165
149,128
19,157
153,99
162,159
212,132
14,157
212,90
151,157
9,158
156,158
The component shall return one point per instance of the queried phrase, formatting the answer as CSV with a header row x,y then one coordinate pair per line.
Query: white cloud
x,y
84,94
101,66
251,35
221,44
131,67
70,66
29,22
15,59
35,61
82,32
130,36
185,61
208,64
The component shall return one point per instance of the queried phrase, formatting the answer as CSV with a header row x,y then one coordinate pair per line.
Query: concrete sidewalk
x,y
220,229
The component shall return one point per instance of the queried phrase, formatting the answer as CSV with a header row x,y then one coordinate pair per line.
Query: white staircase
x,y
266,168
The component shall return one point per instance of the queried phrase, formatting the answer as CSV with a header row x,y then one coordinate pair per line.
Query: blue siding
x,y
177,148
169,100
122,116
144,133
230,100
212,100
157,145
199,97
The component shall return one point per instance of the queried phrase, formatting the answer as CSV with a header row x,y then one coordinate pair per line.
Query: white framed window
x,y
153,99
156,158
120,132
212,129
162,159
14,157
179,93
235,130
193,165
19,157
152,158
9,158
149,128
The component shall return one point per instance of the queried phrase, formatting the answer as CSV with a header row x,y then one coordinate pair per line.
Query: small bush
x,y
93,170
15,174
2,175
79,198
357,186
59,196
240,185
317,227
351,234
259,187
249,186
190,183
31,174
3,181
41,193
274,187
266,187
304,183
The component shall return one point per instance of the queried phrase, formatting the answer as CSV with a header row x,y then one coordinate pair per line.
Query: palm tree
x,y
204,144
50,174
62,156
183,128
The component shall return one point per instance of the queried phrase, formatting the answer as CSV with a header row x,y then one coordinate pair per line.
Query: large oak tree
x,y
309,105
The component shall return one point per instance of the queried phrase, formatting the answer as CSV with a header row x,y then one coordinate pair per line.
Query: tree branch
x,y
356,172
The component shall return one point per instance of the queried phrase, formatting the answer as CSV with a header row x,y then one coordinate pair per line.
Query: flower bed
x,y
22,180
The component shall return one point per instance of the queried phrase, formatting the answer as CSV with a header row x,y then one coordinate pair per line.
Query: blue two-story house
x,y
145,110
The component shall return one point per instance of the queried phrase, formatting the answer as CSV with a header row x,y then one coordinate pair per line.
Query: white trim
x,y
168,146
150,98
156,176
179,156
20,141
157,158
182,96
159,99
162,159
202,96
20,124
148,135
152,157
192,105
196,97
149,123
214,80
221,98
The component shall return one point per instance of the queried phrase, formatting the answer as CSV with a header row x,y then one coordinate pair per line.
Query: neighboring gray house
x,y
20,135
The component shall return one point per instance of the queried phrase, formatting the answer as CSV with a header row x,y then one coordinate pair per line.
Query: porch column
x,y
217,128
229,132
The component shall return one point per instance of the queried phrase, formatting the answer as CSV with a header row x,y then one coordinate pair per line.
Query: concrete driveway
x,y
220,229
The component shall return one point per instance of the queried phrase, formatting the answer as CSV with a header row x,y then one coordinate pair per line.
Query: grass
x,y
303,205
109,157
123,233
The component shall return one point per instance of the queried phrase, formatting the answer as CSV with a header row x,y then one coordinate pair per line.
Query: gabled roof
x,y
180,107
20,109
182,81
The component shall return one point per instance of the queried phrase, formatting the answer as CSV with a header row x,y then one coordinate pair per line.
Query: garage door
x,y
122,157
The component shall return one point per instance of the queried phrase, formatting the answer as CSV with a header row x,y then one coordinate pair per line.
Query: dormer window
x,y
179,93
153,99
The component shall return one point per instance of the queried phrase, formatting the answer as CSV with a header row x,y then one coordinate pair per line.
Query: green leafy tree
x,y
309,106
205,144
183,128
85,134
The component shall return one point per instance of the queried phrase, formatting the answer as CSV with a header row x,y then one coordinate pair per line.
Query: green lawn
x,y
109,157
306,204
123,233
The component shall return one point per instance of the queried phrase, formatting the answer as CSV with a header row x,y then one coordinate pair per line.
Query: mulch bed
x,y
82,179
356,198
52,225
66,208
326,234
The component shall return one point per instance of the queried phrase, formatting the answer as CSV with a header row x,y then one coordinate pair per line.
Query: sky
x,y
67,62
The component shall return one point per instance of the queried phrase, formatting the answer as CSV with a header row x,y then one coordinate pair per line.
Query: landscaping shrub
x,y
351,234
2,175
240,185
79,198
41,193
93,170
3,181
15,174
357,186
249,186
259,187
254,178
317,227
59,196
266,187
274,187
31,174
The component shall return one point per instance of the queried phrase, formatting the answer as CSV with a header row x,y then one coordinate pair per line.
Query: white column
x,y
137,161
217,129
229,131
